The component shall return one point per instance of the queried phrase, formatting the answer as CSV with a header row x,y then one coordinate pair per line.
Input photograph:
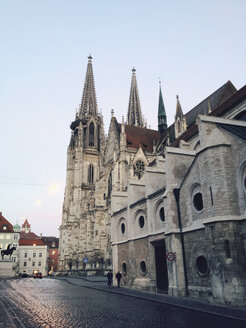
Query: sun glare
x,y
38,202
53,189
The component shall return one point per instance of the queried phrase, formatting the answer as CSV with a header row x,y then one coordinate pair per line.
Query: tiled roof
x,y
26,224
30,238
48,240
136,136
186,135
29,235
226,106
31,242
221,110
5,222
215,99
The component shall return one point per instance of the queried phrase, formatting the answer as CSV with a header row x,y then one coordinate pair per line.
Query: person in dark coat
x,y
118,276
110,278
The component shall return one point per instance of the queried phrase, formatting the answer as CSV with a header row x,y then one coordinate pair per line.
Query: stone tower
x,y
82,231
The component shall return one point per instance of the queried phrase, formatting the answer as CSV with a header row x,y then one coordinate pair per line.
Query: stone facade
x,y
167,207
97,170
83,232
195,213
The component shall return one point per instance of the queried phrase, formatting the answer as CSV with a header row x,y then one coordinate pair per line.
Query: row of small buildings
x,y
28,252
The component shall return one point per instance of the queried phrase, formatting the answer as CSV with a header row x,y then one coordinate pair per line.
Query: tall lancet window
x,y
109,185
90,174
98,138
91,134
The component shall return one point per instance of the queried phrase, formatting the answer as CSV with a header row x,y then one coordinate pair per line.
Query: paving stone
x,y
82,303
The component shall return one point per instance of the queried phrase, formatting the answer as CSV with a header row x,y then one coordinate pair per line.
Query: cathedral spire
x,y
134,116
180,120
162,117
88,102
179,112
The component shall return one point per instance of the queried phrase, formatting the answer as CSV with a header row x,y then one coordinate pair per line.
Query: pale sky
x,y
192,46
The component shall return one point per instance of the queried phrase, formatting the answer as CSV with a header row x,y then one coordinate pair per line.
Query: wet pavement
x,y
76,302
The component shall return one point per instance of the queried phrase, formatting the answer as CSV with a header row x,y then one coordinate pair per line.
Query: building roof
x,y
48,240
216,99
30,238
5,223
137,136
26,224
16,226
220,110
226,106
30,242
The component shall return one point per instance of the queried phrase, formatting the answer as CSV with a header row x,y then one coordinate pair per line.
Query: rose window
x,y
139,168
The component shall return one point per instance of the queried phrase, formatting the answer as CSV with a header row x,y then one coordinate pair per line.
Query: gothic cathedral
x,y
82,232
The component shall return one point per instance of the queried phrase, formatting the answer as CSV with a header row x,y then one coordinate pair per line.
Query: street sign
x,y
85,260
171,256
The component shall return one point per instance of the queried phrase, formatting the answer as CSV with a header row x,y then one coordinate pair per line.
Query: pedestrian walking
x,y
118,276
110,278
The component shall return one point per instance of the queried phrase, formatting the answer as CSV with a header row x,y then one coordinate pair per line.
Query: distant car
x,y
38,275
23,275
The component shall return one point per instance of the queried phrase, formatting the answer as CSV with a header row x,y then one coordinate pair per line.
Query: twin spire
x,y
89,101
134,115
88,104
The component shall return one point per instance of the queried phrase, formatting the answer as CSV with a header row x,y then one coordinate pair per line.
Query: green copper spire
x,y
162,117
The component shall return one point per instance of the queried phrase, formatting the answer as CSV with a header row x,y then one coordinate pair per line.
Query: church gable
x,y
139,163
140,156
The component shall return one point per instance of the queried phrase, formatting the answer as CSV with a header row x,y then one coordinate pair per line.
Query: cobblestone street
x,y
79,303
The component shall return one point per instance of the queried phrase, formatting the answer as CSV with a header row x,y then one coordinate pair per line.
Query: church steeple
x,y
162,117
179,111
134,116
89,101
180,120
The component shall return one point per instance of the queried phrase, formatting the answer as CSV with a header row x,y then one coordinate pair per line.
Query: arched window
x,y
141,222
197,198
91,134
162,214
202,266
198,202
143,267
109,184
90,174
122,228
227,249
